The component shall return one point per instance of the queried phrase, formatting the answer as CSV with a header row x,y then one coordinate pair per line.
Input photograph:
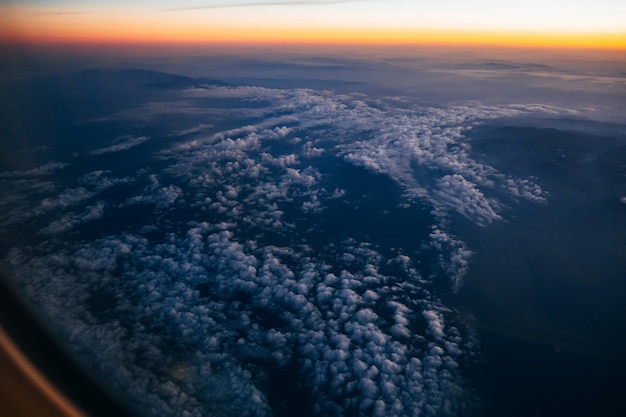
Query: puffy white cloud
x,y
527,189
270,304
454,255
154,193
310,151
464,197
435,324
282,161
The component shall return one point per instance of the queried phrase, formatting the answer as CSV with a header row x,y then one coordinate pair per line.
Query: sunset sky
x,y
572,23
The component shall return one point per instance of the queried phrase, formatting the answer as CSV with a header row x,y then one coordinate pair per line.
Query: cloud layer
x,y
220,289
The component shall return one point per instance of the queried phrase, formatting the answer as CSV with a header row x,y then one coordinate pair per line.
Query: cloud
x,y
100,181
71,220
122,143
16,196
25,198
201,128
464,197
238,288
296,314
310,151
69,197
46,169
161,197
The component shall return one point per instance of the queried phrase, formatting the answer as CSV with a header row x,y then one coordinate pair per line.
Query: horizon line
x,y
515,42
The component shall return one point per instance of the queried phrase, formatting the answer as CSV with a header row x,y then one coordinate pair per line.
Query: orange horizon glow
x,y
110,27
337,37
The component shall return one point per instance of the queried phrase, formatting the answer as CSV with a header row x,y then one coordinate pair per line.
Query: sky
x,y
574,23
